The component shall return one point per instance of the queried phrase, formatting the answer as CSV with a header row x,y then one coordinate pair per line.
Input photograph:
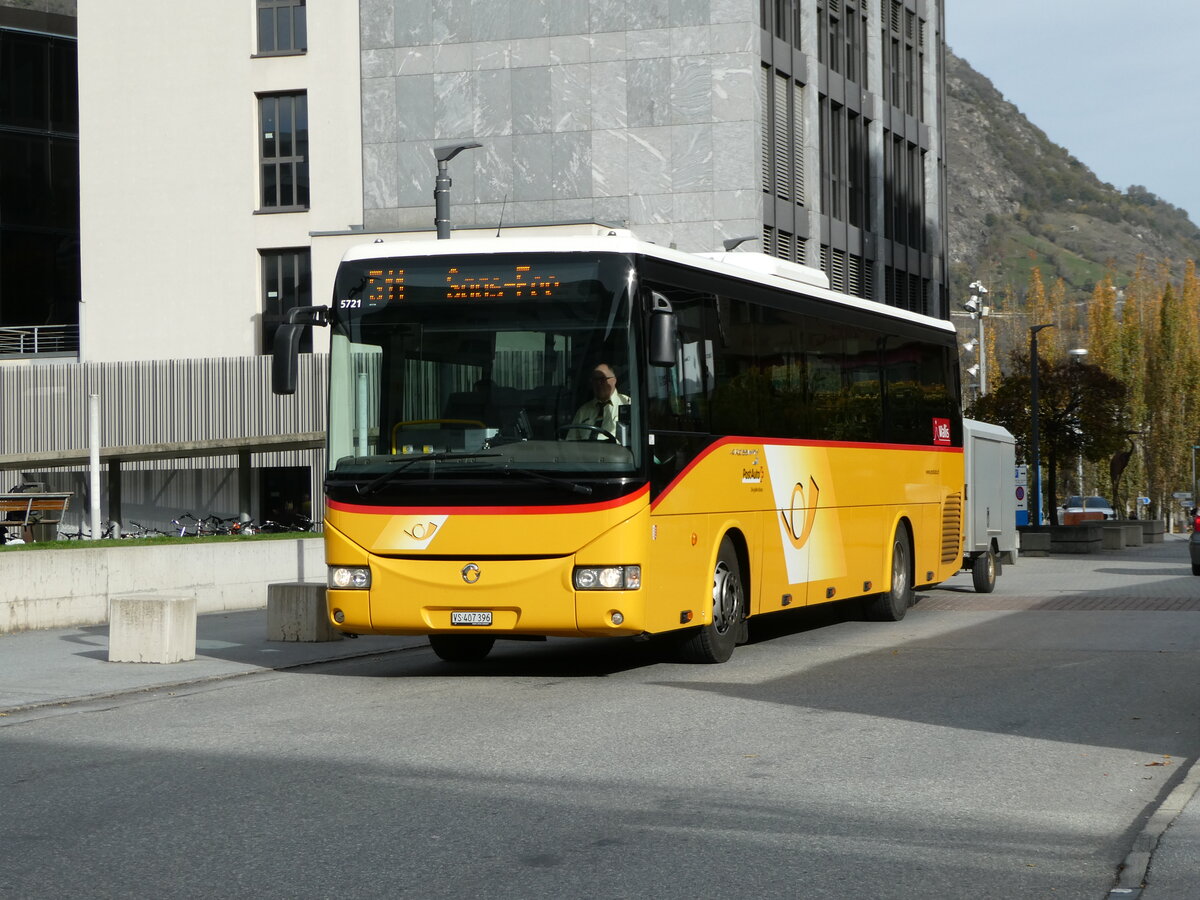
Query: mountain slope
x,y
1018,200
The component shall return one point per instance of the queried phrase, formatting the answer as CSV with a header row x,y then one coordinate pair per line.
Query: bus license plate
x,y
472,617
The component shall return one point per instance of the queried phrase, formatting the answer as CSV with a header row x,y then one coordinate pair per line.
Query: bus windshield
x,y
481,370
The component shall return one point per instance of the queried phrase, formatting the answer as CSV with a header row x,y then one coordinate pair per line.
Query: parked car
x,y
1078,504
1194,542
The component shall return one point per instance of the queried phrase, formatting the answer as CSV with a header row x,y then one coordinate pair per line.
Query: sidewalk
x,y
40,668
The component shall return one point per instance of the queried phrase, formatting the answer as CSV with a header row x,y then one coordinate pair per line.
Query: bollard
x,y
297,612
151,628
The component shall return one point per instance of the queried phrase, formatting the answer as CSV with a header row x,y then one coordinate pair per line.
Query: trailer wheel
x,y
983,572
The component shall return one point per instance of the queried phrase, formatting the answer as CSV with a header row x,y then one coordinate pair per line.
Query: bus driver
x,y
601,411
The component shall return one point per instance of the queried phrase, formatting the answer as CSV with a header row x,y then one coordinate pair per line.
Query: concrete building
x,y
230,153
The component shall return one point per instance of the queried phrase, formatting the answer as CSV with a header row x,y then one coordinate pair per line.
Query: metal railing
x,y
39,340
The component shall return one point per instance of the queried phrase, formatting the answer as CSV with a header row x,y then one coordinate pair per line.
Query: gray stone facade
x,y
637,113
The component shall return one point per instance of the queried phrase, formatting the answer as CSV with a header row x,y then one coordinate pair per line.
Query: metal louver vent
x,y
781,138
764,87
837,270
952,528
798,142
785,247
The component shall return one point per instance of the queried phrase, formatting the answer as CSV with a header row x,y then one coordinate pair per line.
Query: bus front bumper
x,y
517,596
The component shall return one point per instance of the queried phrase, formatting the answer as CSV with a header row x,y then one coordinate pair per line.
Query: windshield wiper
x,y
572,486
403,463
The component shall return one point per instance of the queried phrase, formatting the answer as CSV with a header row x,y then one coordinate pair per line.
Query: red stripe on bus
x,y
628,499
792,442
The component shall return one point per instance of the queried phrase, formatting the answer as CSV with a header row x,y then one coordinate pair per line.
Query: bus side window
x,y
679,395
741,384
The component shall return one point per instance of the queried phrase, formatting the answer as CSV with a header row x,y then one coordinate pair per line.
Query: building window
x,y
903,59
283,148
287,283
782,136
282,27
39,192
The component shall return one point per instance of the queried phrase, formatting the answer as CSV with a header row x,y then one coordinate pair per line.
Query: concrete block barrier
x,y
153,628
1112,537
1153,530
1035,543
1083,538
297,612
1134,535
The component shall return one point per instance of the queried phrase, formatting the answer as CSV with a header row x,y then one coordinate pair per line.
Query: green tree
x,y
1172,376
1080,413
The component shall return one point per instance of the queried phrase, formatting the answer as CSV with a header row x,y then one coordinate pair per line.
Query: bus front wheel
x,y
714,643
461,647
892,604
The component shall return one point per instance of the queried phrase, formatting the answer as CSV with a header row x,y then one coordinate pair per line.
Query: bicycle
x,y
141,531
183,526
84,534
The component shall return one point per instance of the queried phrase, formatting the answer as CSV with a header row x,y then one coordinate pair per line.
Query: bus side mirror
x,y
285,359
663,328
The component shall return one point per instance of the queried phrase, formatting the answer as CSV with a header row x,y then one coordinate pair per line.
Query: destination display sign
x,y
385,286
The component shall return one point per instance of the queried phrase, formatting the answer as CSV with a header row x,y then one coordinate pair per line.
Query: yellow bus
x,y
598,436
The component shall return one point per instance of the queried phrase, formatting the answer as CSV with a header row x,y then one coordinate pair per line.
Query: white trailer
x,y
990,502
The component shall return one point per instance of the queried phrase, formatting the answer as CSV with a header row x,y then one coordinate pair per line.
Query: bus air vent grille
x,y
952,528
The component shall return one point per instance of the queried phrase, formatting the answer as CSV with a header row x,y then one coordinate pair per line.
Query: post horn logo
x,y
800,518
471,573
421,531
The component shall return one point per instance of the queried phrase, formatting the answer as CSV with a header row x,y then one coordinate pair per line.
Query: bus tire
x,y
983,572
892,604
461,647
714,643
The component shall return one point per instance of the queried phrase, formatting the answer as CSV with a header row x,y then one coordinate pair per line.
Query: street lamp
x,y
975,306
441,186
1035,494
1077,355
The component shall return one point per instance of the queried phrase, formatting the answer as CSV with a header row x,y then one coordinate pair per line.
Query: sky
x,y
1116,83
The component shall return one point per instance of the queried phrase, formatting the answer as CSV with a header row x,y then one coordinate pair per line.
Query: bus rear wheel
x,y
892,604
714,643
461,647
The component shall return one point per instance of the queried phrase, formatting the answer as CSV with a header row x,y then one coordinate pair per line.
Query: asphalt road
x,y
1007,745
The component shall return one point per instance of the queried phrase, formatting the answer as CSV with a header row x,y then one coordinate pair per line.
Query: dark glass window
x,y
282,26
772,371
39,180
283,149
24,81
287,283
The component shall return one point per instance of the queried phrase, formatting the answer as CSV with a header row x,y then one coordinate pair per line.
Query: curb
x,y
14,711
1131,876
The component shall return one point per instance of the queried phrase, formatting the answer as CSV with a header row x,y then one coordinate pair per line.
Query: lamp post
x,y
1035,493
975,306
441,186
1077,356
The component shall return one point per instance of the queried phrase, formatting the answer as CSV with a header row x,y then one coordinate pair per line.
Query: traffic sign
x,y
1182,495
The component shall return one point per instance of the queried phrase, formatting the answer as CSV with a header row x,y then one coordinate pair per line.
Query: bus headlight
x,y
607,578
349,578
